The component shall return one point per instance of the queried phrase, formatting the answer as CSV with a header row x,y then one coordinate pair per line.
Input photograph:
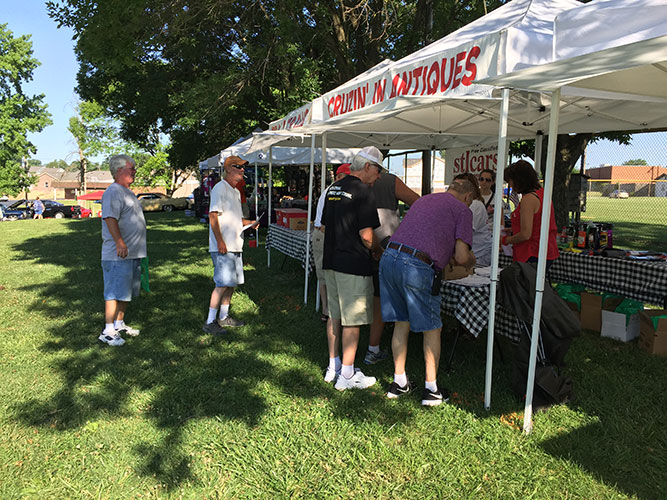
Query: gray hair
x,y
120,161
462,186
358,163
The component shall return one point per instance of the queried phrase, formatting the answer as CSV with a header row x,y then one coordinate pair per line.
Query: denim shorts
x,y
405,291
227,269
122,279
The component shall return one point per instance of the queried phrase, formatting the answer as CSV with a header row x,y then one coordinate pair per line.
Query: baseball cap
x,y
372,154
343,169
234,160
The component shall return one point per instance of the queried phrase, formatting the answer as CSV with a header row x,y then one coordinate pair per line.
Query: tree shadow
x,y
184,374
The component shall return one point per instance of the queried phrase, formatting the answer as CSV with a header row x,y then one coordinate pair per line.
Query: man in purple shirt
x,y
436,230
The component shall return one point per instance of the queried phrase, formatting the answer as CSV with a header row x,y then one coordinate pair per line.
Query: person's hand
x,y
255,224
222,248
121,249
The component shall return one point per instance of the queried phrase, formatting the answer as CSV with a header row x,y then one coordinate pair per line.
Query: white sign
x,y
473,159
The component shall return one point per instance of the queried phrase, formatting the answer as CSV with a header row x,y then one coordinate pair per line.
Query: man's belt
x,y
423,256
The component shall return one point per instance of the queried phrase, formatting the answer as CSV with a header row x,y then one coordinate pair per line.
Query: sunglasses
x,y
485,179
240,167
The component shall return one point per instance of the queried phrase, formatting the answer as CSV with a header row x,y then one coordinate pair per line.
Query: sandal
x,y
324,318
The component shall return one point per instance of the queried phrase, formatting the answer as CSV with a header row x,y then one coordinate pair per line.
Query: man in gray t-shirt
x,y
123,247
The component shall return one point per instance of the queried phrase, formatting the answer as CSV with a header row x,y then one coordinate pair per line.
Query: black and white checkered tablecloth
x,y
470,305
644,281
290,242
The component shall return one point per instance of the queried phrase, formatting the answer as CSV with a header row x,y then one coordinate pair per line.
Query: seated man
x,y
436,229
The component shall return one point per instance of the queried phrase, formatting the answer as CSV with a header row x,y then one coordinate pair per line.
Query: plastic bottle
x,y
581,236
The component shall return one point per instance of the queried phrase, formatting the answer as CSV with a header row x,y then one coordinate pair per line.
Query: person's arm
x,y
114,230
254,223
527,209
217,234
462,254
404,193
367,238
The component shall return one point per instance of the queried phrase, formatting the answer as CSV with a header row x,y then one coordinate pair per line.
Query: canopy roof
x,y
296,155
95,195
604,46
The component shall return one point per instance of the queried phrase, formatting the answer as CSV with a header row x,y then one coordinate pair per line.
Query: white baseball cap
x,y
372,154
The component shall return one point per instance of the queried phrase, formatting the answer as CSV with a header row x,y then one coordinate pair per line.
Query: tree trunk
x,y
569,149
83,168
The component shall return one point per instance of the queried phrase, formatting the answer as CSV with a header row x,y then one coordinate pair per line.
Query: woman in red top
x,y
526,218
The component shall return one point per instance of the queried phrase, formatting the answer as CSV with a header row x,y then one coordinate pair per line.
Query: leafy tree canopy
x,y
638,161
19,113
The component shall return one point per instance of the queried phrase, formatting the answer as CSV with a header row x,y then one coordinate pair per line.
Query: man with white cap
x,y
226,245
349,217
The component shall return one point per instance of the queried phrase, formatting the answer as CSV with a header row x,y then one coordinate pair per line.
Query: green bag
x,y
144,274
570,293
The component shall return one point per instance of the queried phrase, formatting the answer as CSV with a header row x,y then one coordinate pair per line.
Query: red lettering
x,y
360,99
458,68
405,83
378,93
394,85
471,67
444,83
417,72
433,78
329,106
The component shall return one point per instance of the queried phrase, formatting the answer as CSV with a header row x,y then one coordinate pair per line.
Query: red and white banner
x,y
473,159
449,73
295,119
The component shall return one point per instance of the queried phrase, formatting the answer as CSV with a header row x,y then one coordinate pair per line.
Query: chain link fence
x,y
628,188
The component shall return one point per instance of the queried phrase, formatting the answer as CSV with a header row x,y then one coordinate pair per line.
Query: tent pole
x,y
542,257
268,211
495,246
538,152
310,210
256,205
323,180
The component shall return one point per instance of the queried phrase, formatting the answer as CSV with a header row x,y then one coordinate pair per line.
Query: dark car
x,y
24,210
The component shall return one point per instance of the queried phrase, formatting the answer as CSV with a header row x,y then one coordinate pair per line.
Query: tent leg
x,y
310,211
495,248
268,205
542,258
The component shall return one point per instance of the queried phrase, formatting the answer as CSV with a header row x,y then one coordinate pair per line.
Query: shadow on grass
x,y
173,374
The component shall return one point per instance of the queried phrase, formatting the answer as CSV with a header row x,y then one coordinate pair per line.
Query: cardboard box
x,y
653,340
293,218
618,325
591,312
573,306
456,272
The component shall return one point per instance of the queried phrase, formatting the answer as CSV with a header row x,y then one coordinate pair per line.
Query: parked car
x,y
616,193
23,210
151,202
85,212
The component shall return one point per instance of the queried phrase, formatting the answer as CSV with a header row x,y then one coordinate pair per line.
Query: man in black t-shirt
x,y
349,217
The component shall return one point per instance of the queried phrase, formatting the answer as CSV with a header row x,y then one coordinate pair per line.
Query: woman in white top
x,y
481,232
487,184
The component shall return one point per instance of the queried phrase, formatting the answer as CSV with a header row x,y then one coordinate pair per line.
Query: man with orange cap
x,y
226,245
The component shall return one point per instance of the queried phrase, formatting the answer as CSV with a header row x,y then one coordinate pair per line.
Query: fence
x,y
636,207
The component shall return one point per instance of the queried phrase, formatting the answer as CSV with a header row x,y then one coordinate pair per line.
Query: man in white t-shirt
x,y
123,247
226,245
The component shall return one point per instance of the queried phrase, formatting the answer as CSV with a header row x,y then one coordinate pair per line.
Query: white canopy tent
x,y
403,114
616,46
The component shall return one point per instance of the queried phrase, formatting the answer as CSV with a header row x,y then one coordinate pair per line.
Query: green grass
x,y
178,414
639,223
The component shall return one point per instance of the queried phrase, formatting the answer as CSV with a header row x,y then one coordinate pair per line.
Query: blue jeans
x,y
405,291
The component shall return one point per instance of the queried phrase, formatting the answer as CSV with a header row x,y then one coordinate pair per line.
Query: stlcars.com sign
x,y
472,159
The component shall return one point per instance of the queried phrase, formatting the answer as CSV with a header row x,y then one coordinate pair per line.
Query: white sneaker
x,y
331,375
133,332
112,339
358,381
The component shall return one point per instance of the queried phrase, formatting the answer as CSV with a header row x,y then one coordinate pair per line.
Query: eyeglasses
x,y
485,179
240,167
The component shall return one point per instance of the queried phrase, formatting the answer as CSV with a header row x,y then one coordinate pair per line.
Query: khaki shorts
x,y
317,242
350,298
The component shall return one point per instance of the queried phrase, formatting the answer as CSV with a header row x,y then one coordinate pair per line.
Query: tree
x,y
19,113
155,170
58,164
635,162
94,133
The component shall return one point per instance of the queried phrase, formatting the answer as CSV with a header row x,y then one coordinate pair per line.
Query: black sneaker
x,y
214,329
430,398
396,391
